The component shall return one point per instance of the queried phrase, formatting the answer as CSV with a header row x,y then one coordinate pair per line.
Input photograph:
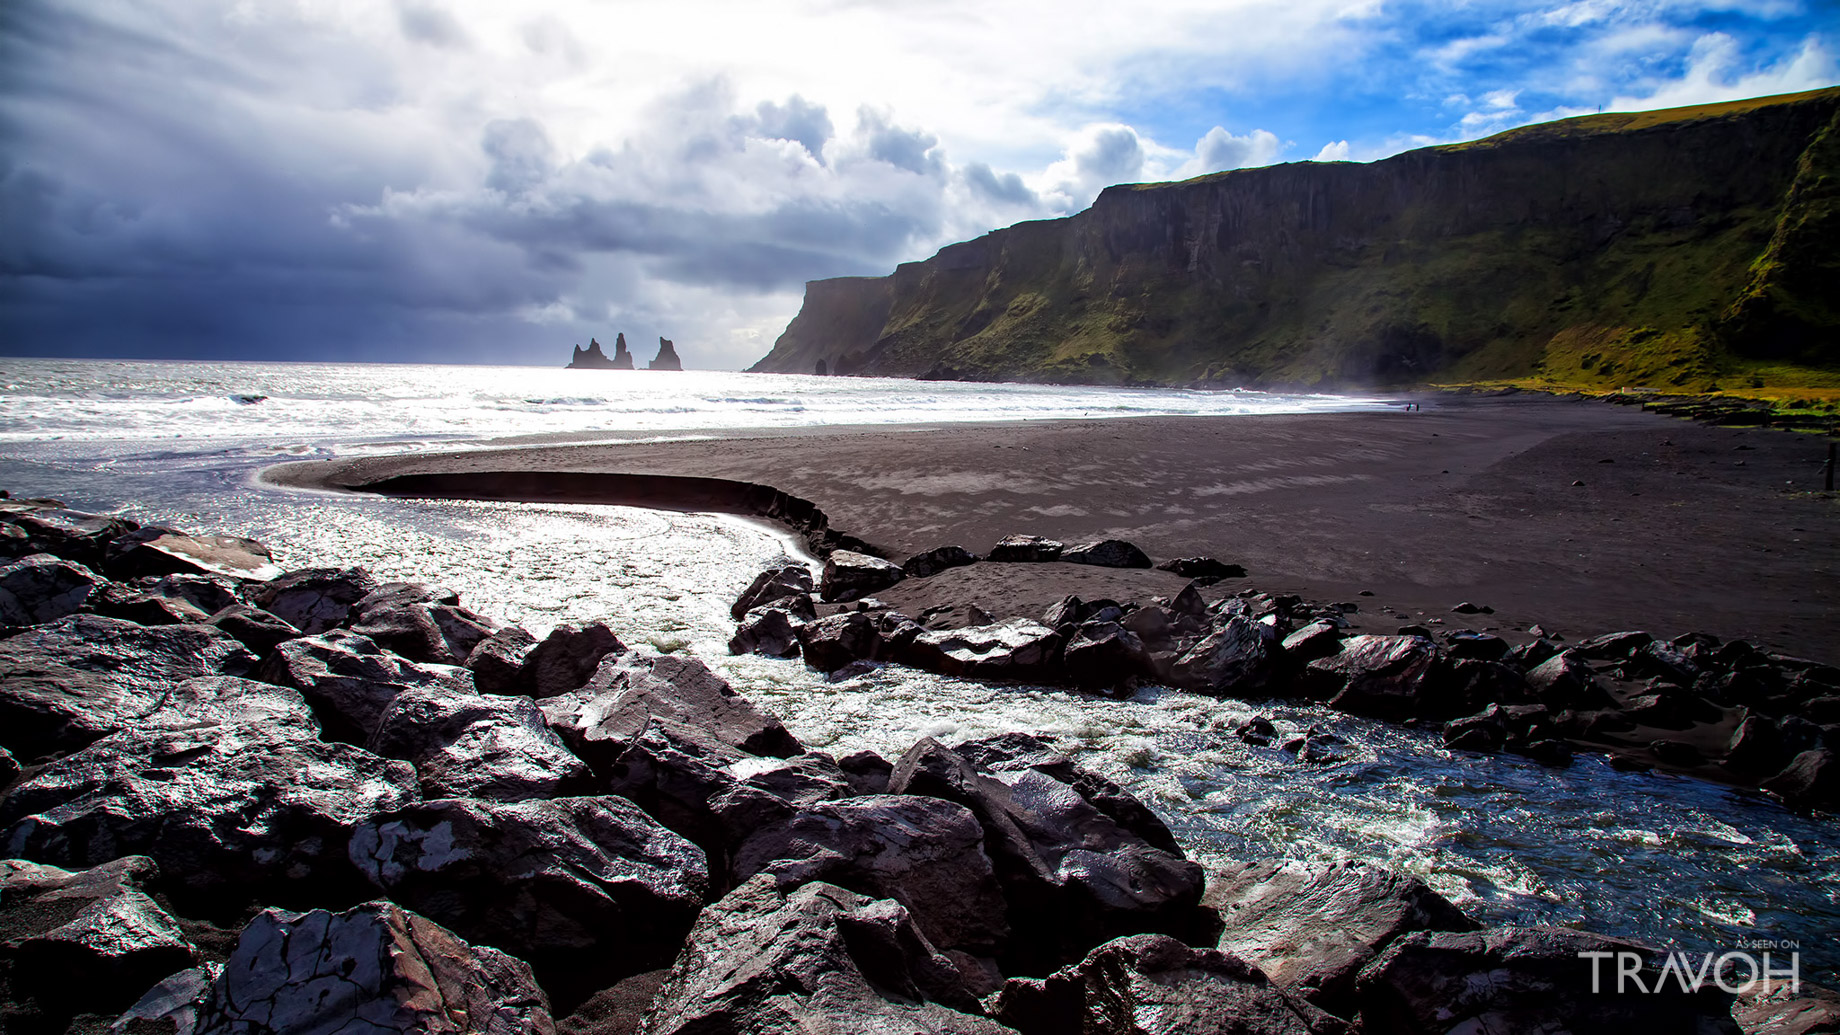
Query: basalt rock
x,y
314,600
771,586
1312,927
924,853
1205,571
43,588
1014,649
477,746
819,958
350,681
115,600
497,660
1014,752
1106,553
1102,654
66,684
849,575
1385,677
584,888
439,634
634,691
934,561
81,942
1527,979
1317,640
1073,877
565,659
1241,657
232,793
392,595
1811,780
376,968
157,551
1152,984
833,642
1025,549
255,628
70,534
770,631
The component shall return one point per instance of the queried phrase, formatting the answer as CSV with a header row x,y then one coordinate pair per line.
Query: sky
x,y
489,182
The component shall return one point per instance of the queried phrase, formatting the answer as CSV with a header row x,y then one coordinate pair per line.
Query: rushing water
x,y
1662,857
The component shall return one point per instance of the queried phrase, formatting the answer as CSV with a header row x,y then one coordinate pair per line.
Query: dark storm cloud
x,y
520,152
797,119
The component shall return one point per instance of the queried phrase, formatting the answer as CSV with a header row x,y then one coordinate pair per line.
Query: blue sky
x,y
484,182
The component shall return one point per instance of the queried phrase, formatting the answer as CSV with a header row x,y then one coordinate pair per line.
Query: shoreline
x,y
1679,527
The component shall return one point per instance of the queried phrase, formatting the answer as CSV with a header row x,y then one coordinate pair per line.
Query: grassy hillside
x,y
1685,250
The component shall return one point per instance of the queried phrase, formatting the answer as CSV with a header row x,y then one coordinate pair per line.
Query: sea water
x,y
1670,859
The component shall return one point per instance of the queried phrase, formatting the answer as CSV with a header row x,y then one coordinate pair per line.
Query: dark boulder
x,y
833,642
131,604
1312,927
314,600
349,680
1528,979
1784,1008
1015,752
228,787
588,888
160,551
1484,732
1152,984
1204,571
1106,553
9,769
1757,749
1385,677
439,634
1073,877
42,588
770,631
70,534
1013,649
936,560
1101,654
770,586
208,593
566,658
819,958
800,780
681,778
497,660
866,771
1315,640
1476,646
924,853
1811,780
1065,611
375,967
66,684
82,942
1025,549
255,628
636,690
1617,646
477,746
1240,657
392,595
849,575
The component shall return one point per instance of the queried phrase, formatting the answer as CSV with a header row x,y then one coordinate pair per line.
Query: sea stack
x,y
667,357
592,358
622,359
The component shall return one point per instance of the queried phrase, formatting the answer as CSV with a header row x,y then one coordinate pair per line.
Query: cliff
x,y
1655,247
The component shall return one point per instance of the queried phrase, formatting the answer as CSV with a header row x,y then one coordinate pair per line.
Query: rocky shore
x,y
240,799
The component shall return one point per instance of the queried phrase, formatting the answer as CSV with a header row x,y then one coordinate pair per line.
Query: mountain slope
x,y
1631,248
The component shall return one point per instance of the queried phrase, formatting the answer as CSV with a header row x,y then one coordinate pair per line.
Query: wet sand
x,y
1677,526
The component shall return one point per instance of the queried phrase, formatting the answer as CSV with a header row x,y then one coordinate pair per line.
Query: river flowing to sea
x,y
1669,859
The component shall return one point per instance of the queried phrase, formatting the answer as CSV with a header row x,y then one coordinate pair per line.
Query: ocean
x,y
1673,860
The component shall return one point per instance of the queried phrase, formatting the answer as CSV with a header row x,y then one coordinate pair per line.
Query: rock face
x,y
818,959
1015,649
936,560
314,600
629,694
43,588
1209,278
84,942
565,659
1238,658
848,575
1025,549
1311,928
164,552
1386,677
571,884
1106,553
376,968
65,684
350,681
477,746
1152,984
666,358
771,587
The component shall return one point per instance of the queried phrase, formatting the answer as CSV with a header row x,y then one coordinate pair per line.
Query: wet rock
x,y
1615,646
1465,644
1025,549
866,771
1311,927
1256,731
681,779
1546,751
82,942
477,746
208,593
1015,752
1676,753
1784,1008
1385,677
9,769
392,595
800,780
1316,640
936,560
854,670
1101,654
1484,732
115,600
66,684
819,958
1013,649
497,660
158,551
1072,876
565,659
583,887
439,634
1756,748
848,575
377,966
1152,984
770,631
70,534
171,1005
1240,657
350,681
770,586
1811,780
255,628
1204,571
1315,746
1106,553
229,789
314,600
42,588
1530,979
924,853
630,692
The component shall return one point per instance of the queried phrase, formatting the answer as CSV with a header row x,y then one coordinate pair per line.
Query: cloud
x,y
1005,189
432,25
1220,150
798,119
883,141
1334,151
1716,70
520,153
